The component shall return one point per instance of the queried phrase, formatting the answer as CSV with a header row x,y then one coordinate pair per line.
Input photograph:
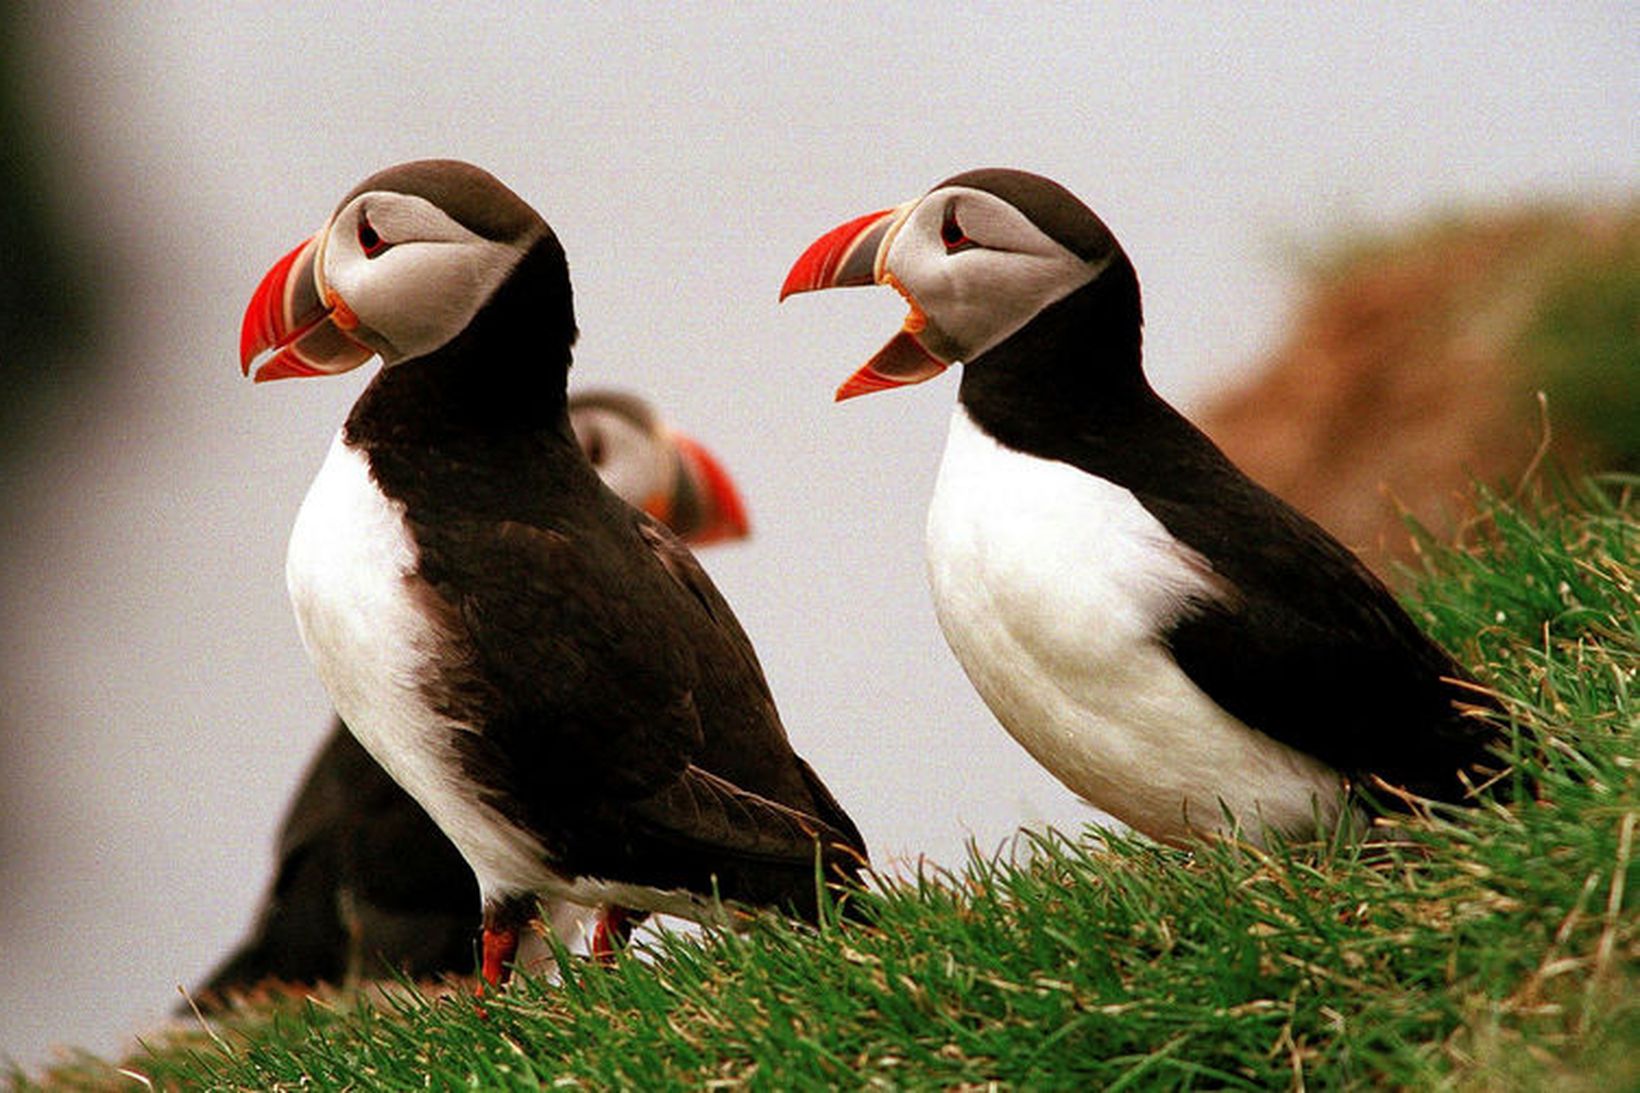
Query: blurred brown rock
x,y
1413,367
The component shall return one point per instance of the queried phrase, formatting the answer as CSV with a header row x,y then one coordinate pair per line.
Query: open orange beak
x,y
855,253
290,314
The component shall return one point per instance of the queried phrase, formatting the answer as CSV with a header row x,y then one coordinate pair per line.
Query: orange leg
x,y
500,946
504,922
614,929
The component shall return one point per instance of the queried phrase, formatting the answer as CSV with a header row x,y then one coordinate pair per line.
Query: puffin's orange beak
x,y
287,314
705,507
845,256
854,254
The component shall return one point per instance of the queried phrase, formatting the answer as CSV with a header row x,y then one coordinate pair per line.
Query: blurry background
x,y
156,708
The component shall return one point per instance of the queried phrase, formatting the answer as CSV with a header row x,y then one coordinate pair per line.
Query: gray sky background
x,y
159,704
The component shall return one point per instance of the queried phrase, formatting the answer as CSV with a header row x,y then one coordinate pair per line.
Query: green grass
x,y
1496,948
1581,346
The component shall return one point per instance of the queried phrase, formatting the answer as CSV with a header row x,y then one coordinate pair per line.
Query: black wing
x,y
1309,647
612,682
683,567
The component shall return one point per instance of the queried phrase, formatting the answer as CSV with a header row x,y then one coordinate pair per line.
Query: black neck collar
x,y
507,372
1073,373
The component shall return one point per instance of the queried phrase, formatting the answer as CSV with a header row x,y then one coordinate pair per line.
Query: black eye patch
x,y
370,240
951,233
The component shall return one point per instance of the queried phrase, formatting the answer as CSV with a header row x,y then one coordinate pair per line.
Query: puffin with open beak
x,y
1175,644
547,671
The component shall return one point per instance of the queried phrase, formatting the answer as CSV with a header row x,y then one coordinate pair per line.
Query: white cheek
x,y
417,296
994,293
634,464
635,470
427,293
977,297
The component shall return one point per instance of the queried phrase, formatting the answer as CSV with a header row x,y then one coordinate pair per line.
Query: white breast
x,y
1051,586
349,569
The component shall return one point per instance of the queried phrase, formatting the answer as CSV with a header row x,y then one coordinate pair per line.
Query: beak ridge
x,y
845,256
269,316
286,314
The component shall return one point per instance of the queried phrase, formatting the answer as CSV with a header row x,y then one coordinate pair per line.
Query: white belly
x,y
1051,587
349,569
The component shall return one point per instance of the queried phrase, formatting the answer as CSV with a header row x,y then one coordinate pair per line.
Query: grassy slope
x,y
1500,950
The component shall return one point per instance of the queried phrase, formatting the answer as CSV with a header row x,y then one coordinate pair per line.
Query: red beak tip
x,y
820,265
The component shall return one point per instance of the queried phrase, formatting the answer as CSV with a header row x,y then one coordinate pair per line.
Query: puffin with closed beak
x,y
364,881
1175,644
546,670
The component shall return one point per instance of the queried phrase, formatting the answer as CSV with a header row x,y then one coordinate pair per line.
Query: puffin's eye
x,y
951,233
593,445
370,241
